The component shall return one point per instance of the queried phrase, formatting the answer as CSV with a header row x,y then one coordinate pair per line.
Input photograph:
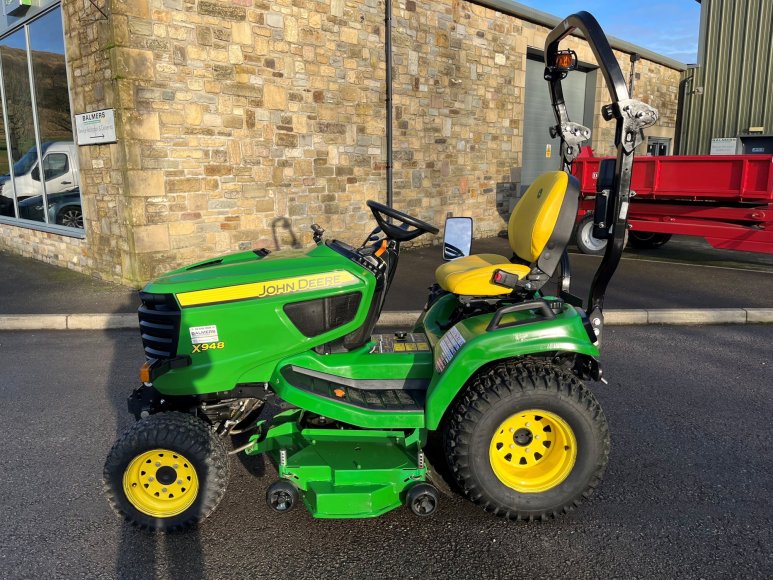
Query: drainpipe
x,y
634,57
388,48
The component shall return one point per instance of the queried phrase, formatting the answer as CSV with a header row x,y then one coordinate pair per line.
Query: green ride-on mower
x,y
491,374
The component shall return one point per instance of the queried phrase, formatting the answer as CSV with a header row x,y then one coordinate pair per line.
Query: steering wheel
x,y
400,233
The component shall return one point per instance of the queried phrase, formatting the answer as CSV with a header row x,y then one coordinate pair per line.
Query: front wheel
x,y
527,441
167,472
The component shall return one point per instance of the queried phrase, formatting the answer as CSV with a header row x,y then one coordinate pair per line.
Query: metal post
x,y
388,48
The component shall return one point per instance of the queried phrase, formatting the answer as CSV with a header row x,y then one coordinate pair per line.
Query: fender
x,y
468,346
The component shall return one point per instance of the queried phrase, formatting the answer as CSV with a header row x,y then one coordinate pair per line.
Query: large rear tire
x,y
527,441
167,472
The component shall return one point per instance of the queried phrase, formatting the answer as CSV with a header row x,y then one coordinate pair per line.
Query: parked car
x,y
6,205
63,208
61,171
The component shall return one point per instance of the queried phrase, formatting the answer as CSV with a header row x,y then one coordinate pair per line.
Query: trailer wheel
x,y
584,239
527,441
647,240
167,472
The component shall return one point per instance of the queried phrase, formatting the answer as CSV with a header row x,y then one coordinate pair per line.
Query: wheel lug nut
x,y
527,450
536,436
150,479
528,424
512,446
179,482
175,466
163,489
158,464
512,430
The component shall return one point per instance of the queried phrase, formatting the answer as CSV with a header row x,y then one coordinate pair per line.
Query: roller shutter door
x,y
538,118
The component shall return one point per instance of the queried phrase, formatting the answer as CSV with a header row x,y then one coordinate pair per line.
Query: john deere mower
x,y
492,373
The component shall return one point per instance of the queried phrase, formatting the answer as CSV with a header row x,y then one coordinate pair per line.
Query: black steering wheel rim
x,y
395,232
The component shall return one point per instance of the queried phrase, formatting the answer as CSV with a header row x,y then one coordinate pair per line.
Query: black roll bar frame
x,y
631,118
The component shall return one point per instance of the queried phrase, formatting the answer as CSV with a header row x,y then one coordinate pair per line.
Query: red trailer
x,y
726,199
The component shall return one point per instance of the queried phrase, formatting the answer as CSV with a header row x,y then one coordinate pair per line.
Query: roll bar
x,y
631,118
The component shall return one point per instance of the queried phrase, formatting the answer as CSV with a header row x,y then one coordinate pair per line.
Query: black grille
x,y
159,325
314,317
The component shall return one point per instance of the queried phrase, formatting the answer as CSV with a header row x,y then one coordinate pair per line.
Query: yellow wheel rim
x,y
161,483
533,451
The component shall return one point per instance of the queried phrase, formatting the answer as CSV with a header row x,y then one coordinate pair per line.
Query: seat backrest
x,y
541,224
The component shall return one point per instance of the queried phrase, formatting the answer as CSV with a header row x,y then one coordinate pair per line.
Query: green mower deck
x,y
343,473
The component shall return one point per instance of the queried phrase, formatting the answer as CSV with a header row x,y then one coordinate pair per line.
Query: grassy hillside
x,y
53,103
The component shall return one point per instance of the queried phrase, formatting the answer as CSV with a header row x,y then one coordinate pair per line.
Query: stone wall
x,y
249,123
242,122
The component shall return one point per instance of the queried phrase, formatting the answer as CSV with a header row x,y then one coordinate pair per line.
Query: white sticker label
x,y
449,345
202,334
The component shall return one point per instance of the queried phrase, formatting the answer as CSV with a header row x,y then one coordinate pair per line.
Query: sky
x,y
668,28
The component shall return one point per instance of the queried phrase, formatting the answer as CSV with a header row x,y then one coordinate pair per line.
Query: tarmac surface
x,y
687,493
685,273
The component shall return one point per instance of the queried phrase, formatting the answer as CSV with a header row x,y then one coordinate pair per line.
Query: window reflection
x,y
21,128
51,195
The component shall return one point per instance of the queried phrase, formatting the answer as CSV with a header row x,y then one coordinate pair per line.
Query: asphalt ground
x,y
685,273
30,286
688,490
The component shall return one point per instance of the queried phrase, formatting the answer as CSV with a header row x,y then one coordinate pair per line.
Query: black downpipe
x,y
632,75
388,48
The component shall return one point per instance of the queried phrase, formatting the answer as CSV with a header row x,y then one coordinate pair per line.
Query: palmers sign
x,y
95,127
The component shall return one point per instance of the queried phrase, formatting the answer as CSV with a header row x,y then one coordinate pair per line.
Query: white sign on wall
x,y
725,146
95,127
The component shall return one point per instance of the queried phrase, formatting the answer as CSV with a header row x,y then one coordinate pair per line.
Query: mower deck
x,y
343,473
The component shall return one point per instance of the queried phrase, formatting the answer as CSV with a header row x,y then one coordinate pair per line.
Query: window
x,y
54,165
36,128
658,146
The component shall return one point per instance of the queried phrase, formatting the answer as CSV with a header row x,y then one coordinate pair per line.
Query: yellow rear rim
x,y
533,451
160,483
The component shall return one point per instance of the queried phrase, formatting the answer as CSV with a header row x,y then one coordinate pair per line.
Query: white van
x,y
60,170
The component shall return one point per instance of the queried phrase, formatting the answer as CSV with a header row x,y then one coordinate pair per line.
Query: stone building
x,y
238,123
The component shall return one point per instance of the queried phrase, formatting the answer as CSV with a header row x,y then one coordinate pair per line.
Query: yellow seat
x,y
471,275
532,234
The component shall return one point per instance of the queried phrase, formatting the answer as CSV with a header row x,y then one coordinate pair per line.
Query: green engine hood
x,y
249,268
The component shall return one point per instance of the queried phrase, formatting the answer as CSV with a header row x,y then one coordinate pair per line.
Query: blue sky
x,y
668,28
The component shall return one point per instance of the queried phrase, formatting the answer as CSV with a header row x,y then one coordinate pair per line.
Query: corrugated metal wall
x,y
732,89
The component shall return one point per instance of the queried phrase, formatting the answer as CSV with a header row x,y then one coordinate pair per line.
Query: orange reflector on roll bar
x,y
564,60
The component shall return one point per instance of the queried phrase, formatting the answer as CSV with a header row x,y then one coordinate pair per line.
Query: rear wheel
x,y
167,472
647,240
527,441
